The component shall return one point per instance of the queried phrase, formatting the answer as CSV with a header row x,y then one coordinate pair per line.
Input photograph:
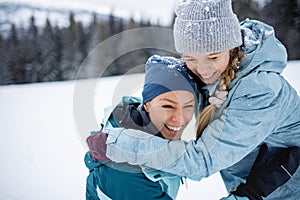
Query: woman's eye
x,y
189,106
167,106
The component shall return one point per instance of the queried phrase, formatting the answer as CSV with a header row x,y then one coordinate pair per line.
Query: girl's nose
x,y
202,68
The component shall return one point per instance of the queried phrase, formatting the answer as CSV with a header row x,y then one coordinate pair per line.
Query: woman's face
x,y
208,67
171,112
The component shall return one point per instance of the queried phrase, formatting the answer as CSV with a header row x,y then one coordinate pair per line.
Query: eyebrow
x,y
192,100
214,54
187,56
169,100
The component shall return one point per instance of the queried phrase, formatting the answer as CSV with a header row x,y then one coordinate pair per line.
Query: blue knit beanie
x,y
164,74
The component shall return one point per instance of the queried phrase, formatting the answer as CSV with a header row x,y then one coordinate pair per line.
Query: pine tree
x,y
120,25
246,9
5,75
31,47
83,41
71,56
131,24
47,70
13,61
112,24
297,27
57,33
95,59
283,16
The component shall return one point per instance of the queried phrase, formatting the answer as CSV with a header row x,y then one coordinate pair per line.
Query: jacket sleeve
x,y
249,118
234,197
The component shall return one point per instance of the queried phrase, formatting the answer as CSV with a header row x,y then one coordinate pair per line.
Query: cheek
x,y
192,68
157,115
222,68
222,65
188,115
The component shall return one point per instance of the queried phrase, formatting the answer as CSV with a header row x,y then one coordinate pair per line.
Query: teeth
x,y
172,128
208,76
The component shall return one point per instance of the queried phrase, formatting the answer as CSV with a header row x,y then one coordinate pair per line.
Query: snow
x,y
42,138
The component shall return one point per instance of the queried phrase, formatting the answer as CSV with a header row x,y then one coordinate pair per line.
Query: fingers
x,y
215,101
219,97
222,87
97,146
221,94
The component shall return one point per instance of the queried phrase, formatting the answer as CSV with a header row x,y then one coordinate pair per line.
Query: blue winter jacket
x,y
261,107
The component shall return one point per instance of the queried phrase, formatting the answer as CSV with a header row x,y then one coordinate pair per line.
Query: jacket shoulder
x,y
108,120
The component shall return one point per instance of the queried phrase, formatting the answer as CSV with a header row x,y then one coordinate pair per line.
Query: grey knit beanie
x,y
206,26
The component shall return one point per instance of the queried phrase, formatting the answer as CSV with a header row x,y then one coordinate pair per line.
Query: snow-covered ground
x,y
42,137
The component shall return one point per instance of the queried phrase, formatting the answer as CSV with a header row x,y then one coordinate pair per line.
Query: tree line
x,y
53,53
284,16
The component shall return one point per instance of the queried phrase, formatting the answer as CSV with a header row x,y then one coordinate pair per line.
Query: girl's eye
x,y
191,62
188,59
213,58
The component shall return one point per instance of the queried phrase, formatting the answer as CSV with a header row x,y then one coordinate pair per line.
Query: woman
x,y
261,106
166,110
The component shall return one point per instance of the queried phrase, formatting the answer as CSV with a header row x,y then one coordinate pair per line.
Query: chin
x,y
209,82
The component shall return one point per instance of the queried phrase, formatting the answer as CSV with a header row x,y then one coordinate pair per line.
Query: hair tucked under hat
x,y
206,26
164,74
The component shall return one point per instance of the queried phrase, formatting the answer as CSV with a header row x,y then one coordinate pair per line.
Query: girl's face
x,y
171,112
208,67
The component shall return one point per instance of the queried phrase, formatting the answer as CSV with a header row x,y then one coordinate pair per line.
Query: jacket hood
x,y
263,51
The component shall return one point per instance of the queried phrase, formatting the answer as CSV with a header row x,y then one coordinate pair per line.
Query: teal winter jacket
x,y
121,181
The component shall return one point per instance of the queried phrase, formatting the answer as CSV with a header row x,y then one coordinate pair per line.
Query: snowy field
x,y
42,131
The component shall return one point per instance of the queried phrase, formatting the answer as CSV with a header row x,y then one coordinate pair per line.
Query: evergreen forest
x,y
52,53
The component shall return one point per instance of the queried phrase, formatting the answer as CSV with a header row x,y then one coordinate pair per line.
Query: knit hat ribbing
x,y
206,26
164,74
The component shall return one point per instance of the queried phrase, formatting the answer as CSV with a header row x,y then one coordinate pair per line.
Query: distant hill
x,y
20,13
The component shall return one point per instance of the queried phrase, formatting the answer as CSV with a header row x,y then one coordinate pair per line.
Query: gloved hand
x,y
268,174
97,146
219,97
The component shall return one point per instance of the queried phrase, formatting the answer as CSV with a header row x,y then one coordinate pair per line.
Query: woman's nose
x,y
178,116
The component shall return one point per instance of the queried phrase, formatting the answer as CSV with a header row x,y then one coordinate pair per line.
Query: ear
x,y
147,106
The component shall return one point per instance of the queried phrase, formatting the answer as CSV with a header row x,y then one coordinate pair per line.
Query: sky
x,y
161,10
156,10
41,149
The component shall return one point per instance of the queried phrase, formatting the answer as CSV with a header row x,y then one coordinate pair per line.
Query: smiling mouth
x,y
208,76
173,128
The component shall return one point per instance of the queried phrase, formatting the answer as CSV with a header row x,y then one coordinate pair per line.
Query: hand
x,y
97,146
218,99
269,172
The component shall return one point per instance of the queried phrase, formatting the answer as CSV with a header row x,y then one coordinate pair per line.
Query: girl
x,y
261,107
